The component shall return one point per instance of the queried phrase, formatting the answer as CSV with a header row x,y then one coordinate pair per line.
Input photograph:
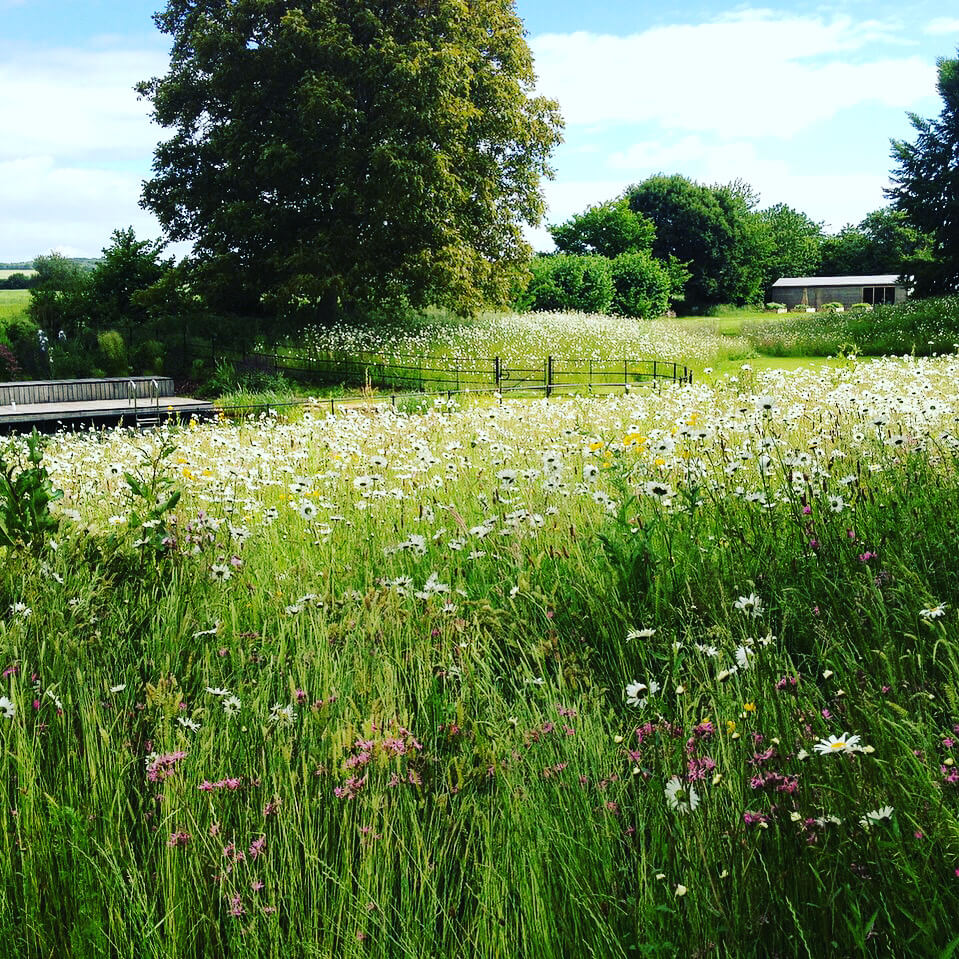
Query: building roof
x,y
882,279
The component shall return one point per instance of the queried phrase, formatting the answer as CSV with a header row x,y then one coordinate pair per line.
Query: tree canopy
x,y
359,150
926,186
608,229
882,242
795,243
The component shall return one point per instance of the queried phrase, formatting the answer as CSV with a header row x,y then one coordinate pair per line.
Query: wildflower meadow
x,y
673,672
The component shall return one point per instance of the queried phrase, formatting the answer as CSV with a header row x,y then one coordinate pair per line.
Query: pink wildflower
x,y
164,766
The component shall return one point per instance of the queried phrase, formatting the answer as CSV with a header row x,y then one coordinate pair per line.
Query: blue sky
x,y
798,99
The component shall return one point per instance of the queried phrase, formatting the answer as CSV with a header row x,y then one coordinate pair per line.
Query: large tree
x,y
714,230
883,242
795,243
609,229
926,185
360,150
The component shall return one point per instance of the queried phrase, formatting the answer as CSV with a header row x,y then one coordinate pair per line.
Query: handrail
x,y
430,374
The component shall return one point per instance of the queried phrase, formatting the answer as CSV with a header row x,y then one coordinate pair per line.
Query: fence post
x,y
625,373
496,372
589,382
674,372
549,375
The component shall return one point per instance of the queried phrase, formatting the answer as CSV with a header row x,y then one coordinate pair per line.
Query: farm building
x,y
817,290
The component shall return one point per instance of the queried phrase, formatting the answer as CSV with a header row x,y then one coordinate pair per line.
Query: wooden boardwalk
x,y
52,404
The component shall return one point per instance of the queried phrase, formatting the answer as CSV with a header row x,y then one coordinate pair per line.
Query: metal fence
x,y
409,374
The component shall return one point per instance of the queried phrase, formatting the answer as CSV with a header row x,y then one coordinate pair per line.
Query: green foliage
x,y
641,286
147,358
775,306
23,335
712,230
25,497
58,296
16,281
74,359
608,229
385,153
276,748
119,282
882,243
570,283
926,187
796,243
152,498
112,353
229,378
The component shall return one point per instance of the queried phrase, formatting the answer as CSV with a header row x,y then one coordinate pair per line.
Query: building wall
x,y
817,295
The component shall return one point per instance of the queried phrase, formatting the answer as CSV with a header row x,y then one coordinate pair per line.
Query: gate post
x,y
549,375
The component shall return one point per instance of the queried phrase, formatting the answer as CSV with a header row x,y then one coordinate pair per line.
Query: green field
x,y
12,303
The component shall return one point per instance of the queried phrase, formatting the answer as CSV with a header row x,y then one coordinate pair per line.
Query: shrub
x,y
73,359
112,352
832,308
775,306
641,286
23,335
148,358
227,378
570,283
9,367
25,497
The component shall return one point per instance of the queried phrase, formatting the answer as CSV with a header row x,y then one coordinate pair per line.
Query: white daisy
x,y
682,798
844,743
876,816
750,605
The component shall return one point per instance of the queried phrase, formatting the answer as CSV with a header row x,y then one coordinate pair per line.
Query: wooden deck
x,y
51,404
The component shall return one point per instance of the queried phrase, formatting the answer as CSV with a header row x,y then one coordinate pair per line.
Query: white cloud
x,y
748,75
77,103
70,174
47,206
942,25
833,199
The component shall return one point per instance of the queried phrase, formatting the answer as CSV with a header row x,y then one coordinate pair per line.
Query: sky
x,y
797,99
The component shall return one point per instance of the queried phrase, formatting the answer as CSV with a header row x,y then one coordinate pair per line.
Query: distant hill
x,y
87,262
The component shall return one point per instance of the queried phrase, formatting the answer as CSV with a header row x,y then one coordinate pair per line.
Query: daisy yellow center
x,y
839,745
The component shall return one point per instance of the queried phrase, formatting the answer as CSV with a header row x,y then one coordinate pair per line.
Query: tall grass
x,y
397,685
921,327
532,337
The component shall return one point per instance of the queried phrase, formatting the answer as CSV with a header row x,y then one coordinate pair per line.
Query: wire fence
x,y
425,374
